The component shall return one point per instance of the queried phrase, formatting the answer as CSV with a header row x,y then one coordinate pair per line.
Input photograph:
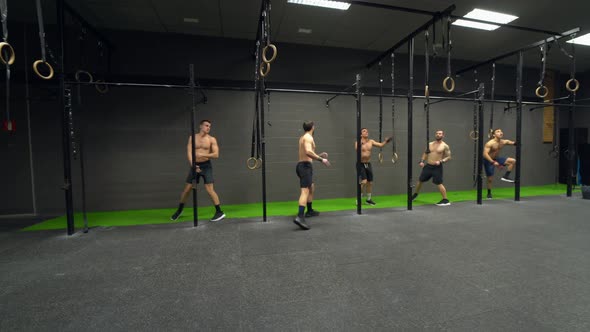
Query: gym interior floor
x,y
501,266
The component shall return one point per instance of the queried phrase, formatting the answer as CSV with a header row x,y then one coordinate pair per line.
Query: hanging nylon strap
x,y
106,63
254,161
82,75
426,90
394,156
449,82
572,80
266,36
492,97
43,60
7,55
380,113
541,91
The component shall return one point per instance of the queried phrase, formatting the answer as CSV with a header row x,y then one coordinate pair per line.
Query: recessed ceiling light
x,y
191,20
322,3
485,15
303,30
582,40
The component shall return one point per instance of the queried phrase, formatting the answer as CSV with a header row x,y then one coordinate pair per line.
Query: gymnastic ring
x,y
102,88
474,135
426,91
274,53
263,72
258,162
12,56
394,158
380,157
446,85
569,88
490,133
36,69
84,72
252,163
539,89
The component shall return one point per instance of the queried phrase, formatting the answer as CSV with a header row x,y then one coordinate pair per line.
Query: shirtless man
x,y
305,173
431,164
364,168
492,159
206,148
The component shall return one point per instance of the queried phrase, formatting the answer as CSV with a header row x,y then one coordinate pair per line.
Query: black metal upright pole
x,y
262,147
571,147
66,143
358,143
518,125
191,70
410,119
480,98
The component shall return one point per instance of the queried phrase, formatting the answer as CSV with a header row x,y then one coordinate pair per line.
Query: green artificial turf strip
x,y
162,216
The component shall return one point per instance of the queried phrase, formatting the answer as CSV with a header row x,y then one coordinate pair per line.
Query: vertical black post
x,y
358,143
410,119
191,70
480,98
518,125
262,146
66,143
571,147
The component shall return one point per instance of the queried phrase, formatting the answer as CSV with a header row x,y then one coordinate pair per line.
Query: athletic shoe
x,y
414,196
444,202
300,221
176,215
370,202
507,179
218,216
489,195
312,213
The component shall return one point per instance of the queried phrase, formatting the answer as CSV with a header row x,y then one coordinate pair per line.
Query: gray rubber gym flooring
x,y
503,266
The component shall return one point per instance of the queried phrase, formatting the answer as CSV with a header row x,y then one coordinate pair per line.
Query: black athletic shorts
x,y
304,171
432,171
365,171
206,173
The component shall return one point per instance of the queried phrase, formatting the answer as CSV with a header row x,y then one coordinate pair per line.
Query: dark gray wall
x,y
135,138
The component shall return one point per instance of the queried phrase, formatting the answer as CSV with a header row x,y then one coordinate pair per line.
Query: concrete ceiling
x,y
357,28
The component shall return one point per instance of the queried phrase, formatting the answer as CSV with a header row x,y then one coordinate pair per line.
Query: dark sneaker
x,y
507,179
300,221
218,216
312,213
444,202
176,215
414,196
489,195
370,202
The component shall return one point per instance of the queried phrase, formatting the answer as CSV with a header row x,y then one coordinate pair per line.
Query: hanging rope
x,y
541,91
449,82
492,97
380,113
426,91
394,156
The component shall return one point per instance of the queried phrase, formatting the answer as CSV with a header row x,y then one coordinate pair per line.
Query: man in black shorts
x,y
432,160
206,148
304,171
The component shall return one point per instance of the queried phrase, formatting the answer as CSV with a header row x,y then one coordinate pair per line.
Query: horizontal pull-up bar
x,y
435,17
528,47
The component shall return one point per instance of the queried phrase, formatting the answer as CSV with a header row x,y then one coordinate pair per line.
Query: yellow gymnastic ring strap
x,y
446,84
252,163
394,158
84,72
539,89
36,69
264,72
274,53
102,88
568,85
380,157
11,56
